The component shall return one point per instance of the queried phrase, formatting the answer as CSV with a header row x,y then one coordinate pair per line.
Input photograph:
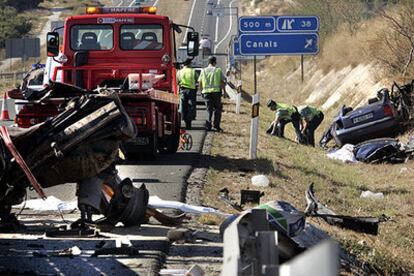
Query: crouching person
x,y
284,114
311,118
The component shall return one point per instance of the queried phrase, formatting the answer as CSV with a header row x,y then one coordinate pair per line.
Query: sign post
x,y
254,122
273,35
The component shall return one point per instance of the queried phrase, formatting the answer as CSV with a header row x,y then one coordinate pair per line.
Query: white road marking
x,y
132,3
121,3
217,24
204,18
189,19
155,3
229,31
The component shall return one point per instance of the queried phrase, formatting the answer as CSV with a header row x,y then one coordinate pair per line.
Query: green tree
x,y
11,24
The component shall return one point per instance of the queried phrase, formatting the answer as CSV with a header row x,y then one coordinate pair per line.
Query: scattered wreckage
x,y
384,116
274,238
375,151
79,145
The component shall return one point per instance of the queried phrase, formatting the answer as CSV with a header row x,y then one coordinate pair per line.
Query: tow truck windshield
x,y
141,37
91,37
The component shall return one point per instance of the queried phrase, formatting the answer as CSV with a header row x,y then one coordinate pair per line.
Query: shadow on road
x,y
218,162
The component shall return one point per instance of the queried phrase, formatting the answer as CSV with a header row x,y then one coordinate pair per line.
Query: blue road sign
x,y
251,24
278,24
238,56
279,44
297,23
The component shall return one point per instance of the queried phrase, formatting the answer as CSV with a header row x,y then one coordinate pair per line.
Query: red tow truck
x,y
131,50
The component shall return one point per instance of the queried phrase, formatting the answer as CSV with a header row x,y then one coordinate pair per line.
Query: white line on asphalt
x,y
189,19
217,24
155,3
121,3
132,3
204,18
229,31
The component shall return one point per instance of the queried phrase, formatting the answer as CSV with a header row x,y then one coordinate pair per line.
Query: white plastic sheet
x,y
344,154
50,204
158,203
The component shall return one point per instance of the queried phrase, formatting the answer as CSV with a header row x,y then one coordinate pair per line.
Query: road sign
x,y
279,44
22,47
278,24
297,23
252,24
238,56
218,10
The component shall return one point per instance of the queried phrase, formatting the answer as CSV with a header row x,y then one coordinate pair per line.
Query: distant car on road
x,y
377,119
209,12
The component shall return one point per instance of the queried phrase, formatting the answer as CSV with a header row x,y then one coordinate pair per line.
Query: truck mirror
x,y
192,44
52,41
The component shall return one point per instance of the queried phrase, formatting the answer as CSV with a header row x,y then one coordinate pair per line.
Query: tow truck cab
x,y
105,46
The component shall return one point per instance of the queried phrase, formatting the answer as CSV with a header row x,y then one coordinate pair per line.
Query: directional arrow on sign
x,y
279,44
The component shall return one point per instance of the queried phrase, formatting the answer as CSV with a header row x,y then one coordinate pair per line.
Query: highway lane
x,y
165,178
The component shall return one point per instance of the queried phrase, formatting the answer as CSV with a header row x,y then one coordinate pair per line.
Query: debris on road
x,y
50,204
158,203
129,251
368,225
68,252
371,195
195,270
260,181
181,235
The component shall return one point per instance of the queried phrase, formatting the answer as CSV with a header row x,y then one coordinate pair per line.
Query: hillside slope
x,y
343,73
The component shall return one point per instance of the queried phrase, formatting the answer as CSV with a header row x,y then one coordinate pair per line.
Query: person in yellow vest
x,y
311,119
212,83
284,114
186,79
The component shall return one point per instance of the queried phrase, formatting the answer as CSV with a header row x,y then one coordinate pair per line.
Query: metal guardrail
x,y
12,75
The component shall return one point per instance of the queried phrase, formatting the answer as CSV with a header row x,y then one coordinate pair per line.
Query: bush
x,y
394,44
21,5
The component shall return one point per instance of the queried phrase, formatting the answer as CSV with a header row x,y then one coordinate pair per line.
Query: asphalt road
x,y
165,177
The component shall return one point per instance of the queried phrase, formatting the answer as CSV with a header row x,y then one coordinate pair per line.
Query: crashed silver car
x,y
380,118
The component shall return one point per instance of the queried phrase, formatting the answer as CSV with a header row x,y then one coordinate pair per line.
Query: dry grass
x,y
292,167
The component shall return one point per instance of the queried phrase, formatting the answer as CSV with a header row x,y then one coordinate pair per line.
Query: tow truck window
x,y
141,37
91,37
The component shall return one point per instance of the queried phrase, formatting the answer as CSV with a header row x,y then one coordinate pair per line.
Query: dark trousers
x,y
309,131
214,106
280,127
188,105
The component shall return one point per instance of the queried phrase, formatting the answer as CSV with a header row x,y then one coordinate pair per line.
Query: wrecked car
x,y
380,118
80,145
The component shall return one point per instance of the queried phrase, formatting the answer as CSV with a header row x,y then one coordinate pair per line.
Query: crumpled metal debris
x,y
182,235
314,208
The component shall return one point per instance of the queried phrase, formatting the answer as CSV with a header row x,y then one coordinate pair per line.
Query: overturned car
x,y
381,117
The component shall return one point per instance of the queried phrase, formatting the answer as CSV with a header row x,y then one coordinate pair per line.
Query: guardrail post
x,y
238,97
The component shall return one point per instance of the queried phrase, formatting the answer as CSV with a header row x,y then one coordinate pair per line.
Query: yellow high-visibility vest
x,y
211,79
186,78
